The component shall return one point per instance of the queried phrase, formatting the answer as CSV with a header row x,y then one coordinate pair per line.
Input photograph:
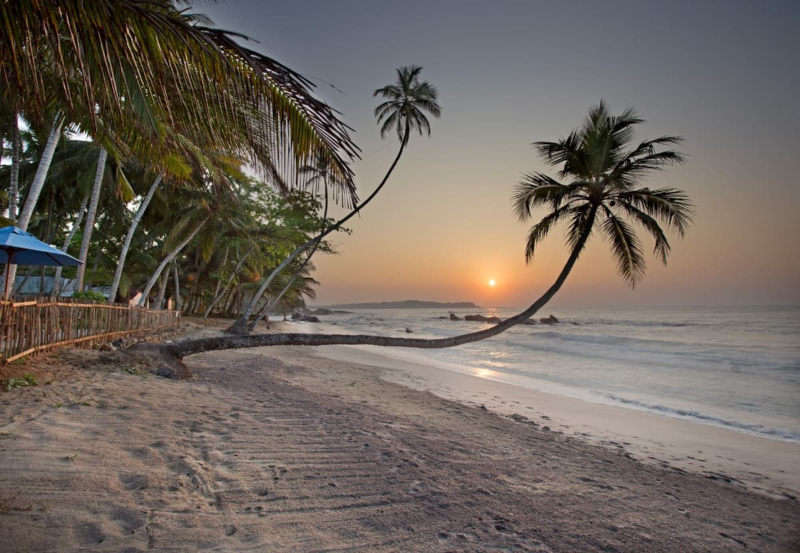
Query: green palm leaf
x,y
625,246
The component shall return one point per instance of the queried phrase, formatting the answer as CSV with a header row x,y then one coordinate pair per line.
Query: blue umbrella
x,y
21,248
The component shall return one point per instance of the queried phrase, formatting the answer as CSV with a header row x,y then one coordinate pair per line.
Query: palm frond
x,y
662,247
540,230
670,205
626,247
535,190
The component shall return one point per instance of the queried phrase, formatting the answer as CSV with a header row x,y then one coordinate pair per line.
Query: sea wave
x,y
626,322
781,434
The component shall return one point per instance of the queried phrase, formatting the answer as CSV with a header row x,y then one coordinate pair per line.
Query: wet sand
x,y
279,449
761,464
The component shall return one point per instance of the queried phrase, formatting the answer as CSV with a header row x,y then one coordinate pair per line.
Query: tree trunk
x,y
129,237
91,215
228,284
41,174
75,226
240,326
177,286
305,263
37,184
13,184
224,263
189,347
168,259
162,289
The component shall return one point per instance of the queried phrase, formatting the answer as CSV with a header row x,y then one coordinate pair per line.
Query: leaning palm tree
x,y
603,192
408,101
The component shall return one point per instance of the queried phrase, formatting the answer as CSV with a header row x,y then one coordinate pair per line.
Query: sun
x,y
492,282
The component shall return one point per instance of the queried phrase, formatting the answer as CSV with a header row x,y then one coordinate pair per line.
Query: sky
x,y
724,75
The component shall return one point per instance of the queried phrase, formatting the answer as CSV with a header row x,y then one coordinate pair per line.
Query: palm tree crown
x,y
406,104
605,189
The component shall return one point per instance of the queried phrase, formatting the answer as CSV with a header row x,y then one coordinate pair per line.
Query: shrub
x,y
90,295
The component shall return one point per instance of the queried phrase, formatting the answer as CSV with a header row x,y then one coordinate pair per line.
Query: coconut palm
x,y
408,101
113,67
605,190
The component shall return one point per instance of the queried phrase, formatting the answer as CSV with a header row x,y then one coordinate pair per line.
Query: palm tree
x,y
605,189
91,216
112,296
406,104
319,174
408,101
132,67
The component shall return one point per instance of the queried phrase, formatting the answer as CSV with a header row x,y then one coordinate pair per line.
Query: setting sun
x,y
492,282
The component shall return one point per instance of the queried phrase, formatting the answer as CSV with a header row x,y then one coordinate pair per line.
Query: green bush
x,y
90,296
22,382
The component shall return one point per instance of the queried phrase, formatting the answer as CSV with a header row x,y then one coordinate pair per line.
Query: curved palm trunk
x,y
41,174
13,184
129,237
167,260
75,226
240,326
91,215
190,347
221,294
276,299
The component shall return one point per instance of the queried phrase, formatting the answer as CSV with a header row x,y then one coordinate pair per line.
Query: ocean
x,y
737,368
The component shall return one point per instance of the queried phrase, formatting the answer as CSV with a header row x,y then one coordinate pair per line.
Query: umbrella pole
x,y
8,274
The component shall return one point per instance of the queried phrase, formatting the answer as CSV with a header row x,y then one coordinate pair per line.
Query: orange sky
x,y
727,80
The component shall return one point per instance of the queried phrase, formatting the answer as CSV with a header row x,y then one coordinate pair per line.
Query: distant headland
x,y
406,304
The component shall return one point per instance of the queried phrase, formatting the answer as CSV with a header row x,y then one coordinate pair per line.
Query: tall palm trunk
x,y
41,174
13,184
189,347
167,260
91,215
162,289
36,186
240,326
67,241
177,286
129,237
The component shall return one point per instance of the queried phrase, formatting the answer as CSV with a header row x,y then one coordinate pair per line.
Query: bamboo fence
x,y
29,327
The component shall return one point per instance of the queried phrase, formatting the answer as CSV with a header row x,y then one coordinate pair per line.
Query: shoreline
x,y
281,449
764,465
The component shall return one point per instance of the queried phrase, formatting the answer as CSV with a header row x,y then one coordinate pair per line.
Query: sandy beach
x,y
761,464
283,449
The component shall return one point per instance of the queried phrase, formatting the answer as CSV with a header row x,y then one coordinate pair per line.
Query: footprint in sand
x,y
134,481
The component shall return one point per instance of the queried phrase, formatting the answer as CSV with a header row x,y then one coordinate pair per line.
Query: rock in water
x,y
304,318
454,318
549,320
482,319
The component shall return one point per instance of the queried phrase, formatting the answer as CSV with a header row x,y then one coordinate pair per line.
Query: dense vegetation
x,y
163,154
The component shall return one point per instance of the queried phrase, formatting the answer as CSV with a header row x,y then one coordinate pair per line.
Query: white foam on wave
x,y
758,429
